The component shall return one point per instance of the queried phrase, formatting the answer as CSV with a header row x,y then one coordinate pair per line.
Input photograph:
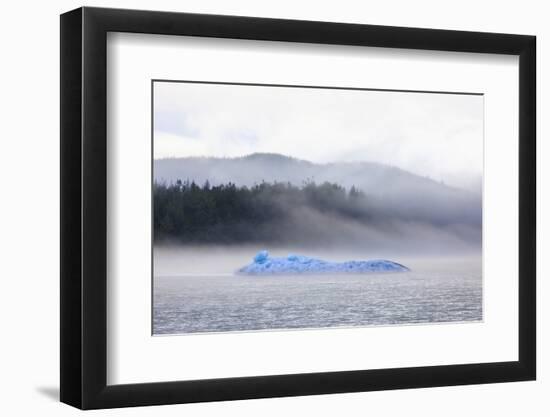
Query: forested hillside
x,y
187,212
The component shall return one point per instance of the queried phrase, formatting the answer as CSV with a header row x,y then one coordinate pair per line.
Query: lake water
x,y
196,291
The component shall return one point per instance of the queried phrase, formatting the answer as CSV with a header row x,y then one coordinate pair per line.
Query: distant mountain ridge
x,y
393,192
283,168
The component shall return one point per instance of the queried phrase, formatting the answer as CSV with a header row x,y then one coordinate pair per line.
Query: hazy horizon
x,y
475,185
439,136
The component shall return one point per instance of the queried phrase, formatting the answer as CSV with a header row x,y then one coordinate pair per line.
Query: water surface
x,y
198,292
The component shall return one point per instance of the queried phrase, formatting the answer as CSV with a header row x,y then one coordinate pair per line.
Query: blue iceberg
x,y
296,264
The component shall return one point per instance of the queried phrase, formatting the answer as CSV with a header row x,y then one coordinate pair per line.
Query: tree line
x,y
266,212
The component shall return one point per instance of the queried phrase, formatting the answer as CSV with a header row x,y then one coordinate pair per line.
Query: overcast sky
x,y
435,135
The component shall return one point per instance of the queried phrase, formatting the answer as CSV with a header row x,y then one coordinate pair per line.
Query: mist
x,y
397,211
434,135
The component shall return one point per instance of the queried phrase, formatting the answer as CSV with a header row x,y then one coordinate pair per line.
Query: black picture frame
x,y
84,207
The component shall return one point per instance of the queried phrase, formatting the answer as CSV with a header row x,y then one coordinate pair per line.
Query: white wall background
x,y
29,226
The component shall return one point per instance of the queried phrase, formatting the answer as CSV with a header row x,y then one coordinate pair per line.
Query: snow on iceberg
x,y
296,264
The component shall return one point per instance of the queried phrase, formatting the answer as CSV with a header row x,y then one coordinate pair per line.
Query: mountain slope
x,y
393,194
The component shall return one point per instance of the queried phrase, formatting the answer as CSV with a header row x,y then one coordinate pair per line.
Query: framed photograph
x,y
257,208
